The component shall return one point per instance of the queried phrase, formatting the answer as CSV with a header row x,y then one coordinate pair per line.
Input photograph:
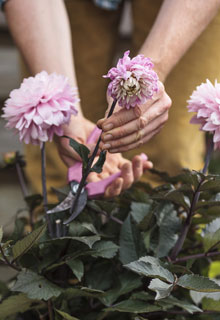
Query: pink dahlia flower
x,y
205,101
133,81
39,108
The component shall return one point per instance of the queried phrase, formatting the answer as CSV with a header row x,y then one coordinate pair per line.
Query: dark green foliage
x,y
115,263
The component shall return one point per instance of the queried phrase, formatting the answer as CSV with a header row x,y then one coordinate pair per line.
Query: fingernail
x,y
106,146
108,126
108,137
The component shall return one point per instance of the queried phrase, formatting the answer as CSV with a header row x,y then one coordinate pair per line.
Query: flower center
x,y
131,86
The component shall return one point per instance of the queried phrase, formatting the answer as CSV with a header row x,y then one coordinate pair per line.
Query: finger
x,y
156,111
135,144
127,175
114,189
93,177
138,136
137,164
123,116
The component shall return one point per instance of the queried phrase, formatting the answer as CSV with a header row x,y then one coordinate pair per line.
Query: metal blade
x,y
79,207
64,205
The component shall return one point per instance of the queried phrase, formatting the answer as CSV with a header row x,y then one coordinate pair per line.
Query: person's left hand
x,y
129,129
131,171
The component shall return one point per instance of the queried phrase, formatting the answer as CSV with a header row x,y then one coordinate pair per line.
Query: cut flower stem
x,y
89,164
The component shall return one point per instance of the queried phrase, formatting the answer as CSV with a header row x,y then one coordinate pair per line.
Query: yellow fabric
x,y
94,33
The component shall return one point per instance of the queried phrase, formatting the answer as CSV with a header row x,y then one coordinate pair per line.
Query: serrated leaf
x,y
161,288
133,306
36,286
198,283
211,185
176,197
139,210
88,240
82,151
212,227
77,229
22,246
211,239
198,296
1,234
169,225
100,162
131,242
104,249
191,308
126,283
15,304
65,316
151,267
77,267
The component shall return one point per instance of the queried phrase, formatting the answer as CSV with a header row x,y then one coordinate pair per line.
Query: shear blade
x,y
79,207
64,205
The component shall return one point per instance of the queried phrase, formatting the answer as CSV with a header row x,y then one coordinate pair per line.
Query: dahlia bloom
x,y
205,101
39,108
133,81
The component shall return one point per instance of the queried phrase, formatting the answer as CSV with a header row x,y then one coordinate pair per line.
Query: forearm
x,y
177,26
41,31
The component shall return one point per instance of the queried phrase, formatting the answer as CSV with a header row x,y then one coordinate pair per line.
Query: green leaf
x,y
100,162
104,249
22,246
161,288
82,151
169,224
211,239
15,304
100,276
212,227
139,210
36,286
133,306
77,267
191,308
1,234
131,242
77,229
197,297
72,293
88,240
65,316
151,267
211,185
198,283
33,201
126,283
210,304
211,234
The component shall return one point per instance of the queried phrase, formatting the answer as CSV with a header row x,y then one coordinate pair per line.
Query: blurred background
x,y
10,194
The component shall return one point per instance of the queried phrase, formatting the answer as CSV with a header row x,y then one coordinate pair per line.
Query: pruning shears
x,y
90,191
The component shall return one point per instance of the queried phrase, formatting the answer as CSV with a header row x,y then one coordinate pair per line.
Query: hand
x,y
128,129
131,171
80,129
